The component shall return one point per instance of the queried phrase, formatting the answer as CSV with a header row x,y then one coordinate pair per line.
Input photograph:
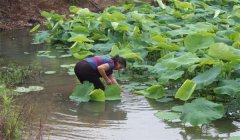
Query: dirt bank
x,y
21,13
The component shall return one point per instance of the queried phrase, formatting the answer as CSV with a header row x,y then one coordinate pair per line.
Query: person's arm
x,y
101,69
114,81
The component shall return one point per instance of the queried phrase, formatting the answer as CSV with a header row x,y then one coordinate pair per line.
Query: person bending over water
x,y
92,68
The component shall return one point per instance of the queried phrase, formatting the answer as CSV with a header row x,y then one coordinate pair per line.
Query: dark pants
x,y
85,72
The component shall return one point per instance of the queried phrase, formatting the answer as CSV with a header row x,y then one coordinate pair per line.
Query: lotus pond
x,y
182,79
132,117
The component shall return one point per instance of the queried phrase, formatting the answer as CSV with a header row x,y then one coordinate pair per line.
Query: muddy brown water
x,y
132,118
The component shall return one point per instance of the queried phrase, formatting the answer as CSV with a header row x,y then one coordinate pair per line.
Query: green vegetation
x,y
11,116
13,74
85,92
10,122
191,46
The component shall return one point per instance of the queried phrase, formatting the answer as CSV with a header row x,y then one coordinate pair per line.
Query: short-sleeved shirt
x,y
98,60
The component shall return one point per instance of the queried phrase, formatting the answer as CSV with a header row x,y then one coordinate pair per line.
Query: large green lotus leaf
x,y
155,92
228,87
103,47
79,38
183,5
113,92
117,16
186,90
125,53
97,95
41,37
201,111
224,52
170,75
198,41
168,116
82,54
81,92
174,63
207,77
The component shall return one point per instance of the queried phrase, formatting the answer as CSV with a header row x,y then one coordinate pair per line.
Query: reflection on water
x,y
131,118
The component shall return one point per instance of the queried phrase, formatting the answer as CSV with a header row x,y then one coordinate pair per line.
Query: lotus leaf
x,y
228,87
112,92
198,41
169,116
201,111
97,95
186,90
155,92
207,77
224,52
81,92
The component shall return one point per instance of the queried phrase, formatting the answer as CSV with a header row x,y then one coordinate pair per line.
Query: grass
x,y
13,74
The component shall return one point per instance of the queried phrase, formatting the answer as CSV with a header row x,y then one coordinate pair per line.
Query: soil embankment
x,y
20,13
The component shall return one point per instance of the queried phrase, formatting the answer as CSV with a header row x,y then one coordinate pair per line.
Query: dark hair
x,y
118,59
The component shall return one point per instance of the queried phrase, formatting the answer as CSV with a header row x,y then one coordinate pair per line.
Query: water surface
x,y
132,118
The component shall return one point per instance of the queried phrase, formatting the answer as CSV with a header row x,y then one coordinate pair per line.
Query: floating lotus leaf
x,y
198,41
169,116
207,77
29,89
178,108
201,111
97,95
186,90
81,92
164,100
50,72
155,92
112,92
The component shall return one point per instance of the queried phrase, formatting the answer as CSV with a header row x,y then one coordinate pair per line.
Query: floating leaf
x,y
155,92
50,72
186,90
178,108
97,95
164,100
81,92
169,116
29,89
201,111
113,92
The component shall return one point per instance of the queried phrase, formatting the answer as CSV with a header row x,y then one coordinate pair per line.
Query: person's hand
x,y
108,81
